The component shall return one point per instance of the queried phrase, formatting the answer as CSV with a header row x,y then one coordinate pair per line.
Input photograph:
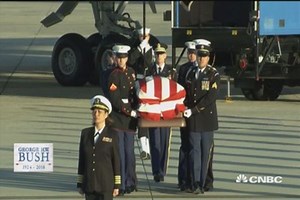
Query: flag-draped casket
x,y
159,98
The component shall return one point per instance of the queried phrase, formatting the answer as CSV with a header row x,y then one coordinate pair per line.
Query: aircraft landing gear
x,y
71,60
94,40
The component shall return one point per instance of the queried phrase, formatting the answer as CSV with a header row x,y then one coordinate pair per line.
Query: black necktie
x,y
197,74
159,70
96,136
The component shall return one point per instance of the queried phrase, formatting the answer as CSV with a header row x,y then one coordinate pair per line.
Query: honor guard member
x,y
99,161
184,178
210,177
160,136
121,92
140,58
201,113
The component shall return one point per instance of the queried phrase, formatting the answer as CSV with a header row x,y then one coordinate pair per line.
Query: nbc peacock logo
x,y
242,178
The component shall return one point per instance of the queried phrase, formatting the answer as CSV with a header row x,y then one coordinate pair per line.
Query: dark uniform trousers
x,y
121,95
184,176
159,148
159,138
201,145
210,176
201,99
126,142
97,196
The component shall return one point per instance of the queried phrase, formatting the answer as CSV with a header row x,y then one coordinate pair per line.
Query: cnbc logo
x,y
242,178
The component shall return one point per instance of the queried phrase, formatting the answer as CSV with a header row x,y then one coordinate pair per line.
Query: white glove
x,y
187,113
133,114
143,44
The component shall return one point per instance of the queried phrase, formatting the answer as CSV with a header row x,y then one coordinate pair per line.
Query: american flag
x,y
159,98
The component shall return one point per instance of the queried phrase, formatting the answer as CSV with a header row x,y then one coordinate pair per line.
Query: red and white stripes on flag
x,y
159,97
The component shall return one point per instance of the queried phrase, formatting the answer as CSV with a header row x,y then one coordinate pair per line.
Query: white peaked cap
x,y
141,31
190,45
202,42
101,102
121,48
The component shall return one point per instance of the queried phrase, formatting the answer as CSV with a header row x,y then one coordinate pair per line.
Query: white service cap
x,y
202,42
121,50
141,31
101,102
190,45
203,47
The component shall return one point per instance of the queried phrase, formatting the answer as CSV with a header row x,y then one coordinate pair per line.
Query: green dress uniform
x,y
201,99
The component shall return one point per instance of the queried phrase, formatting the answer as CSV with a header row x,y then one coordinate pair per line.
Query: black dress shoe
x,y
185,187
189,190
161,178
202,190
121,192
130,189
182,187
210,188
156,178
198,190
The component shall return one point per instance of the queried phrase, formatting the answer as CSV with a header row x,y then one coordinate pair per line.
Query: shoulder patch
x,y
214,86
113,87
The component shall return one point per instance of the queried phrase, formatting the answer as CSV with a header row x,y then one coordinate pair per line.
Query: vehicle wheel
x,y
248,93
267,90
101,63
71,60
94,40
272,89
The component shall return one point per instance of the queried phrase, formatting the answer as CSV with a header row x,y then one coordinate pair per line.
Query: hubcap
x,y
67,61
105,64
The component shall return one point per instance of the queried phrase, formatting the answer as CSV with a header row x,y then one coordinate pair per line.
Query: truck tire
x,y
94,40
101,65
71,60
248,93
269,90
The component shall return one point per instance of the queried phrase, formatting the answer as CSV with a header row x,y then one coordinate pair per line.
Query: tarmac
x,y
255,138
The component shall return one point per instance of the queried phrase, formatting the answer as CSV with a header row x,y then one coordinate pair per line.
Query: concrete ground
x,y
255,138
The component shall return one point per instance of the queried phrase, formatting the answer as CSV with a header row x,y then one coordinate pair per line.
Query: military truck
x,y
256,42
